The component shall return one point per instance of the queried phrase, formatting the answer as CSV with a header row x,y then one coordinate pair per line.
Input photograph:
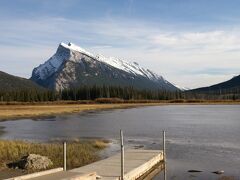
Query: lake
x,y
200,137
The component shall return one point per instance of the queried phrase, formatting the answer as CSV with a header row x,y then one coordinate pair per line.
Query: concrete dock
x,y
66,175
137,163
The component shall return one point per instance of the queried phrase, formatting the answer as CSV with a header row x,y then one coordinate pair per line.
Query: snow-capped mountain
x,y
181,87
72,66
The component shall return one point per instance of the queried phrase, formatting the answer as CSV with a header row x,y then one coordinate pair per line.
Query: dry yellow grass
x,y
20,111
78,153
227,178
16,110
100,144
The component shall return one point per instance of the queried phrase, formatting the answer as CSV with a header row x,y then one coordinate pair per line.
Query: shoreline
x,y
17,111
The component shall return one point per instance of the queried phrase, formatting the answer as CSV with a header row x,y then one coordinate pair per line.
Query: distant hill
x,y
233,83
12,83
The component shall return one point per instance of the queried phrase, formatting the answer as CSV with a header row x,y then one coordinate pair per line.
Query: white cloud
x,y
210,41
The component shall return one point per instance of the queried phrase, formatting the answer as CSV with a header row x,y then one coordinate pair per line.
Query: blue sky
x,y
191,43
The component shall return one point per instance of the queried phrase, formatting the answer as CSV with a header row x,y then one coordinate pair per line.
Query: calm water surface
x,y
201,137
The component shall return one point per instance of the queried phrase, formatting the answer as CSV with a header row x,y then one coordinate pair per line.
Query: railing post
x,y
64,156
122,155
164,156
164,147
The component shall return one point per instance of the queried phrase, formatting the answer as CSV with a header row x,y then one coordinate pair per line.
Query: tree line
x,y
88,93
219,94
28,95
125,93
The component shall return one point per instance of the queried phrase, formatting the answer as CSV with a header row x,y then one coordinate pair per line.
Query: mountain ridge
x,y
10,82
234,82
73,66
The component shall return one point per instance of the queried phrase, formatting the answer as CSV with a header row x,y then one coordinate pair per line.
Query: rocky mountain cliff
x,y
72,66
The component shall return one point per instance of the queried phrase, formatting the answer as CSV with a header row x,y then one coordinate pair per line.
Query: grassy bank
x,y
78,153
17,110
21,111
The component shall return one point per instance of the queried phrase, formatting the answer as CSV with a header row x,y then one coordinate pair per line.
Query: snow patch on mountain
x,y
181,88
47,69
74,47
70,52
133,68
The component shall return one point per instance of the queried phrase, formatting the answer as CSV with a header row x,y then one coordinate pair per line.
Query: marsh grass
x,y
15,110
20,111
78,153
